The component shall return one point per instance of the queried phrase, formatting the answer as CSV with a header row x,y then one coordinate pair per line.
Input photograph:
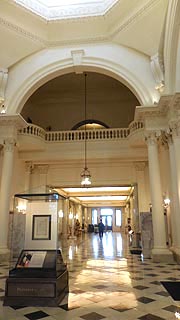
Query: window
x,y
94,216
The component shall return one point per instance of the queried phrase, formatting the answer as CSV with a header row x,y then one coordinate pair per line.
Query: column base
x,y
4,255
176,253
162,255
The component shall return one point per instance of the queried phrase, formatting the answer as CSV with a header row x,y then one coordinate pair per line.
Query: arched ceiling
x,y
135,24
60,102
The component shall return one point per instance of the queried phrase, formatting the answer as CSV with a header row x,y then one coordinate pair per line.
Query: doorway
x,y
106,216
107,221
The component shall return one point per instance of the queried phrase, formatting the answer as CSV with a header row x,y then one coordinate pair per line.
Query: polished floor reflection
x,y
106,282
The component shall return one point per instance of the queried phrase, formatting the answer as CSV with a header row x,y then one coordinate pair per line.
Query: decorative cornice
x,y
134,17
54,11
94,38
21,31
16,121
158,110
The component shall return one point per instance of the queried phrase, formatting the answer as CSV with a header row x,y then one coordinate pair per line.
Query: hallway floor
x,y
106,281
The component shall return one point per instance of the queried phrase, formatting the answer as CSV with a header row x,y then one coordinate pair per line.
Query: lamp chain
x,y
85,116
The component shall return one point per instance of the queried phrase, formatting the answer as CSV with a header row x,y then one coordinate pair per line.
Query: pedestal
x,y
36,291
162,255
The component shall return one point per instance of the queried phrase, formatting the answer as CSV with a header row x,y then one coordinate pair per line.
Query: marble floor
x,y
106,281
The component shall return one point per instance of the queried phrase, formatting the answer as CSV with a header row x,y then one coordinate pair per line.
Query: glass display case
x,y
38,275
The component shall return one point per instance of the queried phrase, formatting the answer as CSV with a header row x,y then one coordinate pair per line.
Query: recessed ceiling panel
x,y
63,9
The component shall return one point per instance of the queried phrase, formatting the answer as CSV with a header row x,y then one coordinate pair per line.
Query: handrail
x,y
33,130
79,135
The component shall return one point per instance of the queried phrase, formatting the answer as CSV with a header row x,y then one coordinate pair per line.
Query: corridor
x,y
105,282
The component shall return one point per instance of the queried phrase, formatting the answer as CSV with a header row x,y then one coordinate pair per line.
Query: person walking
x,y
101,228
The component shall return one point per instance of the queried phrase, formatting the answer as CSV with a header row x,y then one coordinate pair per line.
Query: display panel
x,y
31,259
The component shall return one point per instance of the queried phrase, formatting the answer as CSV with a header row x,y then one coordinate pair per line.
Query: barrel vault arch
x,y
31,73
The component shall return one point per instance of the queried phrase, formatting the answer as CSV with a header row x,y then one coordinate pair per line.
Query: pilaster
x,y
160,251
140,178
5,193
175,168
42,171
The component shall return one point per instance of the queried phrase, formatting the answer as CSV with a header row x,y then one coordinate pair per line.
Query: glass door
x,y
106,216
107,221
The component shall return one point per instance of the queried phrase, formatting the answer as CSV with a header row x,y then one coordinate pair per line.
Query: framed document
x,y
41,227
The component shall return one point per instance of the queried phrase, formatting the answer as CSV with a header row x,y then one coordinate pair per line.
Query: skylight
x,y
63,9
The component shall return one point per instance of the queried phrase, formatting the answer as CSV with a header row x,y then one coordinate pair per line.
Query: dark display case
x,y
38,276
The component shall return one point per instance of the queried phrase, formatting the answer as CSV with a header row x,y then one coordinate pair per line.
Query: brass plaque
x,y
31,290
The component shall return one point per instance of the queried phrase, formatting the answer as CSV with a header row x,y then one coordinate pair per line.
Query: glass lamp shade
x,y
85,177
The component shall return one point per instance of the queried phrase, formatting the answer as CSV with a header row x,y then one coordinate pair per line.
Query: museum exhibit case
x,y
38,275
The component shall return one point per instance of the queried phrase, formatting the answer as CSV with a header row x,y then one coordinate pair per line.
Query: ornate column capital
x,y
9,144
152,137
43,168
175,128
29,166
140,165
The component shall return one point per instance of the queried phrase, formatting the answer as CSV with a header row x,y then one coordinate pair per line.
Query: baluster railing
x,y
79,135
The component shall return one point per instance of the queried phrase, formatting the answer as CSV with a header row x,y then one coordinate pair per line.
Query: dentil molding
x,y
54,11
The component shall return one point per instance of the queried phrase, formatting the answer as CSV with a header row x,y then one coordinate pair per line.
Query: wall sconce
x,y
177,315
77,216
70,215
21,208
166,203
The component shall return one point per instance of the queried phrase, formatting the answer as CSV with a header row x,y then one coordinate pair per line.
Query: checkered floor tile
x,y
106,281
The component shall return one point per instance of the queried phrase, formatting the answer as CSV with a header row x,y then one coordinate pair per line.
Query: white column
x,y
160,252
176,183
174,204
142,196
5,192
65,218
132,222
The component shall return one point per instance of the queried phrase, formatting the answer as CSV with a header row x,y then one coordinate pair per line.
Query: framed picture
x,y
41,227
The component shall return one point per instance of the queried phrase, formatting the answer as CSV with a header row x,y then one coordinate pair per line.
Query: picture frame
x,y
41,227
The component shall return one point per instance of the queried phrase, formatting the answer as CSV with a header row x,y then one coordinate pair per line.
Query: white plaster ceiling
x,y
98,196
136,24
60,9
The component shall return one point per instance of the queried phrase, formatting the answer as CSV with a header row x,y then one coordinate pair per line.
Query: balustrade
x,y
79,135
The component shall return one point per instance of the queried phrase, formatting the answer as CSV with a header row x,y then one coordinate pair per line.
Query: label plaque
x,y
31,290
